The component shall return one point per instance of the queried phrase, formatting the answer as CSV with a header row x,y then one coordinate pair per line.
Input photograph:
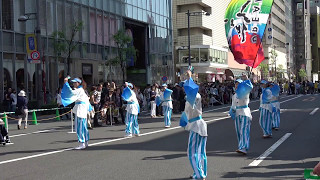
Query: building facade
x,y
275,41
315,38
303,56
148,22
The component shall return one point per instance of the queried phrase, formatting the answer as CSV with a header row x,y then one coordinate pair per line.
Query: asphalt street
x,y
45,151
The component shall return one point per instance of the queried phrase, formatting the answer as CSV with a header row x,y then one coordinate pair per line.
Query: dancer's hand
x,y
189,73
66,79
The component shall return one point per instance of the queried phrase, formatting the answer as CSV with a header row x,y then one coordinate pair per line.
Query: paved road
x,y
45,151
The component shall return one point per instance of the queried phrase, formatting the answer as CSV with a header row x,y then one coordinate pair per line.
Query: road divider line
x,y
257,161
314,111
36,132
109,141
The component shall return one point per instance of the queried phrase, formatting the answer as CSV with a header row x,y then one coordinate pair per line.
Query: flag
x,y
126,94
245,23
183,120
167,93
243,89
191,89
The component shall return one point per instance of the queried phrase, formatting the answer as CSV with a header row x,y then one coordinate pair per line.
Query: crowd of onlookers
x,y
109,107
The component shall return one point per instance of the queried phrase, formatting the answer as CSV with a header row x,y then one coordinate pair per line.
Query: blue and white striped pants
x,y
276,119
132,125
266,121
167,112
197,155
82,129
242,125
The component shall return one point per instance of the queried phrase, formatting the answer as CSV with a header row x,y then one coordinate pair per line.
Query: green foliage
x,y
302,74
125,49
273,56
264,68
64,44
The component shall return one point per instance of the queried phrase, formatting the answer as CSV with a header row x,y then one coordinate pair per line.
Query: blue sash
x,y
195,119
81,102
242,107
274,101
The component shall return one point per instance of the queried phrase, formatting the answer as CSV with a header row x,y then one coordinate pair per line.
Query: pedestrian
x,y
152,101
275,106
7,100
198,133
81,108
266,110
241,114
13,97
22,109
166,105
96,103
133,109
4,136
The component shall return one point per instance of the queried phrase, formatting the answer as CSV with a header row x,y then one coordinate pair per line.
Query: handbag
x,y
19,111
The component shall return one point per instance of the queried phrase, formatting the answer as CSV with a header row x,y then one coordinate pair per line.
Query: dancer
x,y
133,109
166,105
266,110
81,108
192,121
275,89
241,114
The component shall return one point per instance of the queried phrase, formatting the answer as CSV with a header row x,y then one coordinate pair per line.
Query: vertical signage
x,y
31,46
269,32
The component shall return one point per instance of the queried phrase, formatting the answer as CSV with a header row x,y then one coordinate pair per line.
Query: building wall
x,y
315,39
101,19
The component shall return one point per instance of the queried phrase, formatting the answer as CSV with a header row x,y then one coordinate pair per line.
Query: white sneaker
x,y
81,146
137,135
166,126
128,135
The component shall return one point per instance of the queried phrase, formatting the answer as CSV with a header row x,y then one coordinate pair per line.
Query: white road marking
x,y
36,132
314,111
270,150
108,141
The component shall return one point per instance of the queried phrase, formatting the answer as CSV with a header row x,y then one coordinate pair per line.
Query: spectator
x,y
119,106
13,98
152,101
95,98
7,100
22,109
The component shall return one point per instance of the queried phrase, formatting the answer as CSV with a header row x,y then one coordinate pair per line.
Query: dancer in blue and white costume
x,y
192,121
166,105
241,114
266,110
81,108
275,89
133,108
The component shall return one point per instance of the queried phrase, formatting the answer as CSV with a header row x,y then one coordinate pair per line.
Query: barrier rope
x,y
12,118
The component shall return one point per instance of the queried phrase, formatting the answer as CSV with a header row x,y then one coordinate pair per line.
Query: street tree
x,y
264,68
302,74
125,51
66,43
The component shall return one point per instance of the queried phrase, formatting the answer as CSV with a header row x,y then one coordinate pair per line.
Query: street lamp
x,y
38,73
193,14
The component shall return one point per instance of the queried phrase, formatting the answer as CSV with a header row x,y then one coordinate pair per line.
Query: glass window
x,y
76,18
129,9
204,55
8,41
148,5
60,16
144,16
20,38
68,19
144,4
134,12
112,6
99,4
18,8
106,30
140,14
129,1
93,26
49,17
7,14
118,6
154,5
85,2
99,28
85,29
92,3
